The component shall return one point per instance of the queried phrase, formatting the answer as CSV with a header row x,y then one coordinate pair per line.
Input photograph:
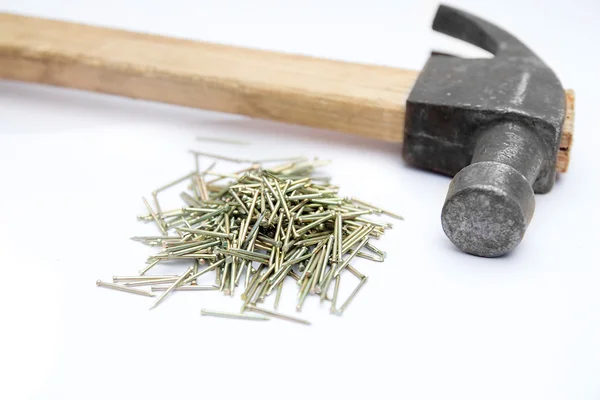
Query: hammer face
x,y
489,219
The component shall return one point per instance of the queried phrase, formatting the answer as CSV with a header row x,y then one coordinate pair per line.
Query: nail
x,y
305,285
286,267
240,202
273,263
254,230
355,272
247,255
375,250
194,249
213,214
369,256
249,217
172,287
225,272
204,271
278,295
300,256
332,202
298,206
240,270
228,223
126,289
314,240
319,272
251,285
277,315
349,299
271,241
254,291
304,292
275,212
202,232
249,270
149,282
263,204
353,233
117,279
385,225
351,256
173,183
193,288
232,276
196,265
283,200
266,182
354,214
262,293
204,312
360,236
336,290
305,196
314,255
159,212
288,234
337,232
149,266
271,205
154,216
202,256
184,244
190,200
315,224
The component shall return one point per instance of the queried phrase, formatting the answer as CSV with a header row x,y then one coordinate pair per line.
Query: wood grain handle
x,y
361,99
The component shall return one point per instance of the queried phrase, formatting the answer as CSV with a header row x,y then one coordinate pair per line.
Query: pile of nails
x,y
255,228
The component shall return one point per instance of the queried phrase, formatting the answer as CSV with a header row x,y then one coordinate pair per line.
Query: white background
x,y
431,323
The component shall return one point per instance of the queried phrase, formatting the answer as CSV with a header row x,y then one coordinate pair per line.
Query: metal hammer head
x,y
494,124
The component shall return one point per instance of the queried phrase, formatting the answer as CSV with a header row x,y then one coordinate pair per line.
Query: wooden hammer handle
x,y
361,99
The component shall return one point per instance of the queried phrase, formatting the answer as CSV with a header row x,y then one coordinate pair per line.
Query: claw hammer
x,y
502,127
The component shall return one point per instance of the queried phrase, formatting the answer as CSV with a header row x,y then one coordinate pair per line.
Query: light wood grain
x,y
360,99
566,140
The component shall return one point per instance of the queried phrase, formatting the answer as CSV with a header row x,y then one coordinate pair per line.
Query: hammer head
x,y
495,124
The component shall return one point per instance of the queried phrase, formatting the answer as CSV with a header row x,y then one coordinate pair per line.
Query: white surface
x,y
431,323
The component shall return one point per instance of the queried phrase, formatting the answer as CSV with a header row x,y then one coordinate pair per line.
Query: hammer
x,y
502,126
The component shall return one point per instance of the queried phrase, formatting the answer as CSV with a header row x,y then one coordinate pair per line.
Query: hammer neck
x,y
512,144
